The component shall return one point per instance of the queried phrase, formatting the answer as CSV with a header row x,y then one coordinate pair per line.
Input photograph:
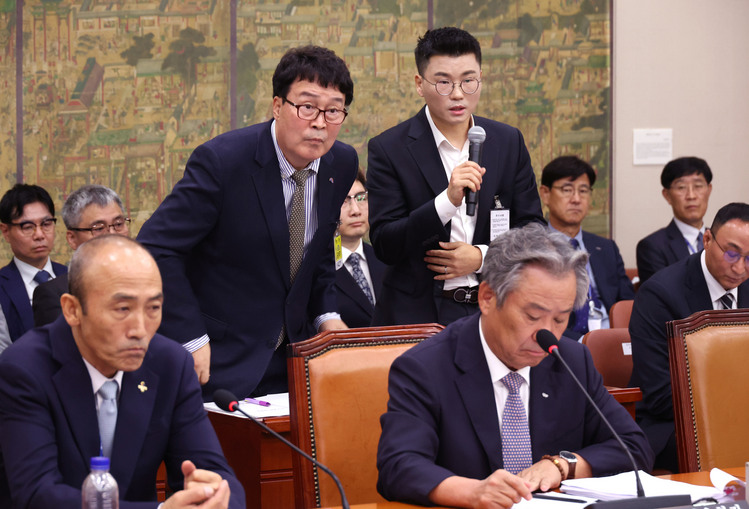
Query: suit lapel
x,y
74,390
376,269
422,147
266,177
137,400
676,241
545,401
490,161
16,290
477,392
347,285
598,266
697,295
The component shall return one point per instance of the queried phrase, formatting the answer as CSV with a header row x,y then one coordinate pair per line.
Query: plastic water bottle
x,y
100,490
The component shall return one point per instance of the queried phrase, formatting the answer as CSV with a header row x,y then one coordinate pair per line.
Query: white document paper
x,y
623,486
279,406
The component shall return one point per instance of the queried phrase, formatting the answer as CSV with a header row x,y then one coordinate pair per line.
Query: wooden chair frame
x,y
313,488
686,418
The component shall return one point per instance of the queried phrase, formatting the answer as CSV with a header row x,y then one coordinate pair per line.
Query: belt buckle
x,y
465,296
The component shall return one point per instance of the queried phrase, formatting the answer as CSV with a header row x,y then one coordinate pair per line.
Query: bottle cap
x,y
100,463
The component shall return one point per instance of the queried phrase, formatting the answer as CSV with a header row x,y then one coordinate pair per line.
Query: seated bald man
x,y
51,383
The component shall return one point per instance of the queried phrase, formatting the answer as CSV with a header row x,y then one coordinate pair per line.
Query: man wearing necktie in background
x,y
27,217
480,412
566,189
714,278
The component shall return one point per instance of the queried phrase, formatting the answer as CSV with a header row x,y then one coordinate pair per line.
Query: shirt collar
x,y
97,379
346,252
29,271
578,236
688,231
497,369
714,287
439,138
286,168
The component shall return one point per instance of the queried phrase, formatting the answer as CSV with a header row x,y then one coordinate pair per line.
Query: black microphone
x,y
476,137
548,342
227,402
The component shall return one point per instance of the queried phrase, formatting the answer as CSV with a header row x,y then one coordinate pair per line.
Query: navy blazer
x,y
660,249
673,293
49,430
404,175
15,301
46,301
607,265
353,305
441,418
221,240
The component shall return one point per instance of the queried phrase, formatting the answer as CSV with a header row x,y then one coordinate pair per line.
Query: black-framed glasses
x,y
445,87
117,226
29,227
358,198
568,190
730,255
334,116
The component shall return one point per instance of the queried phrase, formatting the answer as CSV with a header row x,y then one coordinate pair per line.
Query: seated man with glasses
x,y
359,278
418,173
245,239
714,278
686,185
88,212
566,184
27,214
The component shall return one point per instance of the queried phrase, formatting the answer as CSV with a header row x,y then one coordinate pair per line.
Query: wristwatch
x,y
571,460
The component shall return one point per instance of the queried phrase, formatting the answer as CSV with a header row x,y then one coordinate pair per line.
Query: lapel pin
x,y
331,180
543,394
142,387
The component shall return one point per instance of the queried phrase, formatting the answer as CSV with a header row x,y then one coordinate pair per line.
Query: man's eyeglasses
x,y
29,227
730,255
697,187
568,190
445,87
118,226
308,112
358,198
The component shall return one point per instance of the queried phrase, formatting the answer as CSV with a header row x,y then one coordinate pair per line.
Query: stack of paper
x,y
623,486
278,406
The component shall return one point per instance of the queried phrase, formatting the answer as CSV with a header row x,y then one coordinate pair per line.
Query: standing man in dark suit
x,y
54,383
480,411
27,214
359,279
88,212
686,185
245,240
712,279
417,176
566,187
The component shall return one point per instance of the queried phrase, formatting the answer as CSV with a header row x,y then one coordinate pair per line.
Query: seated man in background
x,y
481,412
686,185
359,279
566,184
714,278
104,357
27,213
88,212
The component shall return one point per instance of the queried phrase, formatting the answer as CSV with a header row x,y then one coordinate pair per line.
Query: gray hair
x,y
82,198
533,245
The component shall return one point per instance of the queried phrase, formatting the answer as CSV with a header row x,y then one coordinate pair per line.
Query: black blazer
x,y
46,302
660,249
404,175
353,305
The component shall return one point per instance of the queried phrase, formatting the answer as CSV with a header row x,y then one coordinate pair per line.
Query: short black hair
x,y
361,177
682,167
315,64
448,41
735,210
20,195
565,167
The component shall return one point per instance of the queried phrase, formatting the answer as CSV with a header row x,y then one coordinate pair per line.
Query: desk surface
x,y
699,478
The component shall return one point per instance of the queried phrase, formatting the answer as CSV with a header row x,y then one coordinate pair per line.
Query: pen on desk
x,y
256,402
544,496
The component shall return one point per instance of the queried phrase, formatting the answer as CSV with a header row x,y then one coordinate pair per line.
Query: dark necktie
x,y
42,276
516,439
727,300
700,245
107,415
359,277
297,225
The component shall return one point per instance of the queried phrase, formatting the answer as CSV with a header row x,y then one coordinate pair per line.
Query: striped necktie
x,y
516,439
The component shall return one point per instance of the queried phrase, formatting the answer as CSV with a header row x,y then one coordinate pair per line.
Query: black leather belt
x,y
464,294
